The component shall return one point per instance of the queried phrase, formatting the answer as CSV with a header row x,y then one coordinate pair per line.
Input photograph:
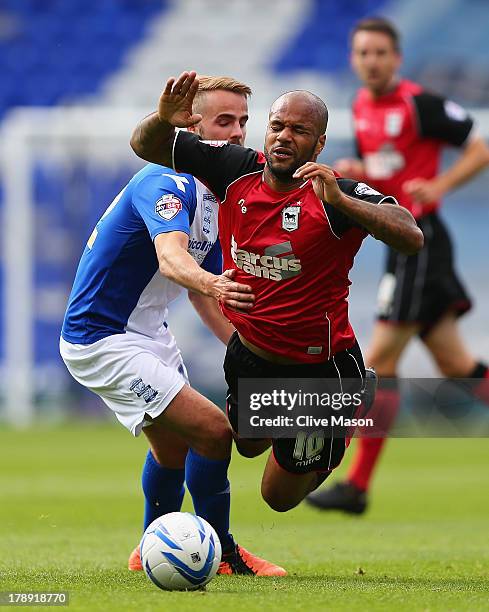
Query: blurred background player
x,y
116,342
401,130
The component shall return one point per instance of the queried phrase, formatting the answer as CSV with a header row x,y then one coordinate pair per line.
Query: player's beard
x,y
285,174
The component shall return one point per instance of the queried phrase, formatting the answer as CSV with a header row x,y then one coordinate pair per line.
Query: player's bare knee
x,y
279,497
159,455
279,503
453,369
449,366
251,448
215,438
247,452
384,365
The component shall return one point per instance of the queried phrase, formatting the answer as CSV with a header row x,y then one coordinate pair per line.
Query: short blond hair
x,y
219,83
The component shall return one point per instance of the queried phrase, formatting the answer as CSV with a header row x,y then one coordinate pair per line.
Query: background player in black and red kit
x,y
291,230
401,130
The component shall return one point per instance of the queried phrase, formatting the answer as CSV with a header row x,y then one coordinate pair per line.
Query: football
x,y
180,552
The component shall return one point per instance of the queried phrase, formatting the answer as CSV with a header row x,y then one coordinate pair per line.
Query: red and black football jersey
x,y
293,249
400,136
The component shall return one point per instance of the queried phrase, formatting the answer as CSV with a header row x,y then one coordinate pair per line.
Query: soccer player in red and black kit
x,y
401,130
290,229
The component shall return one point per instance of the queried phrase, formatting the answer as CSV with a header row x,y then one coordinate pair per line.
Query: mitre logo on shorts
x,y
168,206
277,262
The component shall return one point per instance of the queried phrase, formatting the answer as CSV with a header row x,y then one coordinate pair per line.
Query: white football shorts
x,y
133,374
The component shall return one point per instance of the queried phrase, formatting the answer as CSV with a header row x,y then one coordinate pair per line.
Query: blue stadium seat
x,y
322,44
60,49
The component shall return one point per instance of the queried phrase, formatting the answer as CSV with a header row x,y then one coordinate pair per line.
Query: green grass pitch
x,y
71,511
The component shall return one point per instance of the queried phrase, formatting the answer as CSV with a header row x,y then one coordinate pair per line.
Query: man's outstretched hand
x,y
234,295
175,104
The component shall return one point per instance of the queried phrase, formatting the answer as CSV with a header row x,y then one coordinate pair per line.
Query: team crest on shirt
x,y
393,123
168,206
290,218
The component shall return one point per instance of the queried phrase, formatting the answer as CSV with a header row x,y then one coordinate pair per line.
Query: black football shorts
x,y
421,288
240,362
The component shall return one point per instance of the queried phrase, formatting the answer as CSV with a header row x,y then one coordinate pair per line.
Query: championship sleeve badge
x,y
362,189
168,206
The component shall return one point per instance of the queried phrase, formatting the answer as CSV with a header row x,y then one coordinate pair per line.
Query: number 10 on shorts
x,y
309,445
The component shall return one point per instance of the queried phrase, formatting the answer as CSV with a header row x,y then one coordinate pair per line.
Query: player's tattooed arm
x,y
176,264
392,224
152,140
153,137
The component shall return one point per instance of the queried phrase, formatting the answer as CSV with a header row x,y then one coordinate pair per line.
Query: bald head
x,y
305,103
295,134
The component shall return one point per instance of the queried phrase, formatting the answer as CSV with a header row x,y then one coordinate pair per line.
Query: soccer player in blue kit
x,y
158,235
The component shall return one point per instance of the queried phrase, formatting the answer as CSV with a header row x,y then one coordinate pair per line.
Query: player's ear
x,y
398,60
320,145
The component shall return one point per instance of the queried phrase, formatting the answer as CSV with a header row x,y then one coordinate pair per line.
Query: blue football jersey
x,y
118,285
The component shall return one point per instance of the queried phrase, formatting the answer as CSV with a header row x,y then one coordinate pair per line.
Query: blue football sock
x,y
208,484
163,489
